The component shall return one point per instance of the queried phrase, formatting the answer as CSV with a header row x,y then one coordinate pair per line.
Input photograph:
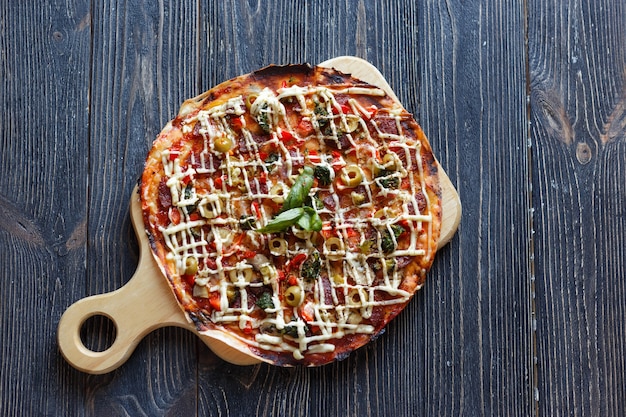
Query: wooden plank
x,y
144,65
477,311
578,120
239,37
43,165
44,76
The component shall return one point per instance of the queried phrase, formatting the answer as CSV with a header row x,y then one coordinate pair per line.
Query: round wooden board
x,y
134,317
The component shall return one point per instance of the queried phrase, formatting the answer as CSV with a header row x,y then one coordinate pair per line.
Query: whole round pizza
x,y
296,209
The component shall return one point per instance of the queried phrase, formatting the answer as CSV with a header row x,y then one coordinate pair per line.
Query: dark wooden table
x,y
524,102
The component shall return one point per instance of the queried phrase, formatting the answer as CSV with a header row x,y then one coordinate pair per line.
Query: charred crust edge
x,y
289,69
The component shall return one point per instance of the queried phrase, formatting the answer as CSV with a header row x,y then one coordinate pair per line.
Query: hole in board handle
x,y
98,333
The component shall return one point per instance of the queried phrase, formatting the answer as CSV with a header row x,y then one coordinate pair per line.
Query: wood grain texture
x,y
86,85
477,313
578,90
44,67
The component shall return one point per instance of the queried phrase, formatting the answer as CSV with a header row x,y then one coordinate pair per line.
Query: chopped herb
x,y
188,194
322,118
272,159
311,267
323,175
268,329
320,110
290,331
397,230
386,179
188,191
366,247
265,301
390,265
247,222
387,243
384,264
263,118
392,182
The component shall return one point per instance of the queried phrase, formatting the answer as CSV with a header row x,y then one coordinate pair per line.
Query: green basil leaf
x,y
300,190
283,221
305,221
314,220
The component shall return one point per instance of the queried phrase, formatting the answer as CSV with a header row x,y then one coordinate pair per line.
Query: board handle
x,y
133,314
139,307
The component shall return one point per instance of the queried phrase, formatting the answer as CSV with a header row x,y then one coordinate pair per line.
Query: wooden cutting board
x,y
147,302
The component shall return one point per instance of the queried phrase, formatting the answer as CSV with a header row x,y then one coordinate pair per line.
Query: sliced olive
x,y
351,176
293,296
389,161
279,192
334,248
333,244
278,246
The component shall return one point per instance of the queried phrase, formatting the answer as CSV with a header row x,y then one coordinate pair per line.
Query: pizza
x,y
295,210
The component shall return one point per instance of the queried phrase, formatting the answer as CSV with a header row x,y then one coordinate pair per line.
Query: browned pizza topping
x,y
297,216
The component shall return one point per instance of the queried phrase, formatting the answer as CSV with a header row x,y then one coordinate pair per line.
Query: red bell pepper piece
x,y
248,328
297,260
293,280
257,209
214,301
305,127
190,279
285,135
